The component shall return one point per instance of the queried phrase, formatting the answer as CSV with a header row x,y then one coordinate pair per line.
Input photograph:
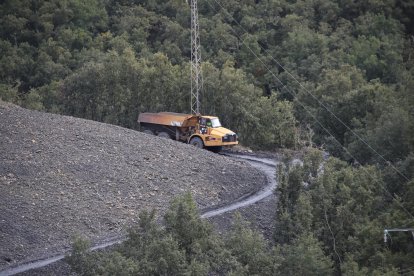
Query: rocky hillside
x,y
62,176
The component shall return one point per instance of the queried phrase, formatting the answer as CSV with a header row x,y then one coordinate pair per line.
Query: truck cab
x,y
213,134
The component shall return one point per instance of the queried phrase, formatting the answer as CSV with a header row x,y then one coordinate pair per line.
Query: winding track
x,y
267,166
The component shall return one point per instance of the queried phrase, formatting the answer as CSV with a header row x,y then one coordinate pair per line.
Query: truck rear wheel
x,y
147,131
164,135
196,141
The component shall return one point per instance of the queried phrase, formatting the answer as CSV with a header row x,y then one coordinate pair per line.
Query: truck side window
x,y
203,128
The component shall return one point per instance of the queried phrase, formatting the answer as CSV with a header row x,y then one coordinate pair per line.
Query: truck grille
x,y
230,138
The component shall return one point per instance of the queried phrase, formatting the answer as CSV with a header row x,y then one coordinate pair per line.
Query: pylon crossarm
x,y
386,232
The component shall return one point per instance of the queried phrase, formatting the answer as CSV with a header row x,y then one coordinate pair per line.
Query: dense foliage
x,y
281,73
187,245
346,209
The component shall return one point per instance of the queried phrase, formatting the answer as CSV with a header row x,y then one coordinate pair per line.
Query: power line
x,y
307,110
314,97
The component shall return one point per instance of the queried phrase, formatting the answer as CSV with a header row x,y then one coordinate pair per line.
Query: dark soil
x,y
62,176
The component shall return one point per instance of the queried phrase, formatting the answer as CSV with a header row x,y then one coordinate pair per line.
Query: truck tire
x,y
148,131
197,142
164,135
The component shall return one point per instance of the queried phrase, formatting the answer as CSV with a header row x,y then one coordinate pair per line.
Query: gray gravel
x,y
61,176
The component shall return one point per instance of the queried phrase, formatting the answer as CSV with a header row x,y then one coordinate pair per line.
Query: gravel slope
x,y
60,176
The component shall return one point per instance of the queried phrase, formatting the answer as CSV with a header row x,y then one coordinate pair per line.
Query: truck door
x,y
203,125
209,126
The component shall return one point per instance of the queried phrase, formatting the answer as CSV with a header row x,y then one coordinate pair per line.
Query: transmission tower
x,y
196,77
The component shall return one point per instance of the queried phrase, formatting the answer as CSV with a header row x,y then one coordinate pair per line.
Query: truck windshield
x,y
215,122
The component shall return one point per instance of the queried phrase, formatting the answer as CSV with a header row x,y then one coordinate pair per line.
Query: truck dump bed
x,y
167,119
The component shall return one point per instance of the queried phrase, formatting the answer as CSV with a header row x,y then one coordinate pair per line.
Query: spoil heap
x,y
61,176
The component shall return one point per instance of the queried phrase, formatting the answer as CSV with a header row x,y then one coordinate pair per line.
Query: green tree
x,y
154,251
250,249
303,257
8,93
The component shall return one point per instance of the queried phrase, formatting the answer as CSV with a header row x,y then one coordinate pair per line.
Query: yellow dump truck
x,y
197,130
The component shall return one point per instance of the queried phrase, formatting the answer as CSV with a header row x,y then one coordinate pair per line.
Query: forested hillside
x,y
338,74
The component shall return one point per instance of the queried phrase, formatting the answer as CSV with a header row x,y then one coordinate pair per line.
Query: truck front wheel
x,y
196,141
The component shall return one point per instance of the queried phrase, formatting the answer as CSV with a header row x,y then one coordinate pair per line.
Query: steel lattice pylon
x,y
196,76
